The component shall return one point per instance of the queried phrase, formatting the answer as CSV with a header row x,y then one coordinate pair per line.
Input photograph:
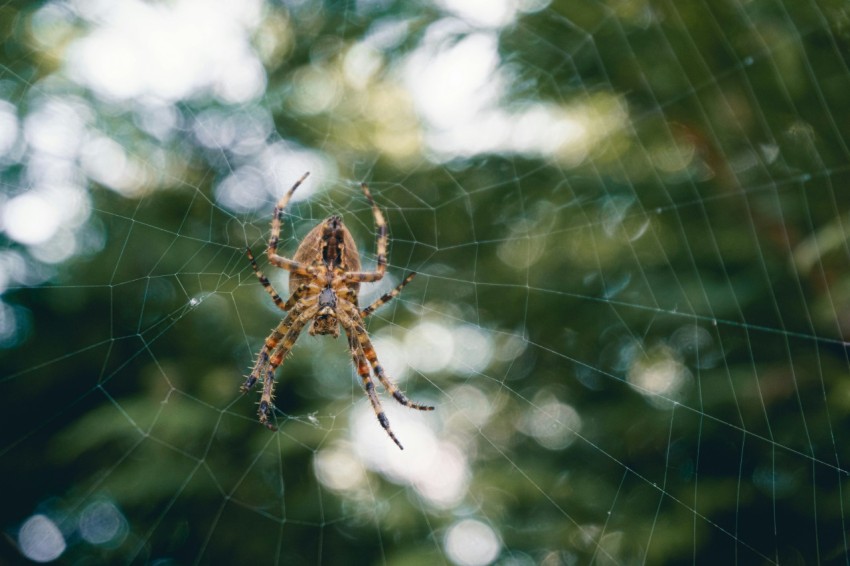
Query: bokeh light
x,y
40,540
553,424
8,128
169,51
660,376
101,523
472,543
30,219
435,467
429,347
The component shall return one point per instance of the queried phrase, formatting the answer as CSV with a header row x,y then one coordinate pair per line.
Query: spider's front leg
x,y
274,351
359,330
261,365
362,366
364,355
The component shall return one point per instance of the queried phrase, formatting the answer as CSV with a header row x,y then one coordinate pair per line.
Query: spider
x,y
324,278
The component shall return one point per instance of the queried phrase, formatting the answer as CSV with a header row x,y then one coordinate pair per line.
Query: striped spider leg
x,y
364,356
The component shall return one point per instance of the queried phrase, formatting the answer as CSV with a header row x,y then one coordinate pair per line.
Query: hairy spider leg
x,y
381,227
292,330
274,238
351,317
353,325
347,293
264,281
383,237
251,380
362,366
277,216
386,297
299,293
263,357
271,342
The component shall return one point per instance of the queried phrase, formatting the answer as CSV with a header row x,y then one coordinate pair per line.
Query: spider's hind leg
x,y
382,242
264,281
277,216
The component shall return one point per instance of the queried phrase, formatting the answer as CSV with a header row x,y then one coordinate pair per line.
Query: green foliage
x,y
699,234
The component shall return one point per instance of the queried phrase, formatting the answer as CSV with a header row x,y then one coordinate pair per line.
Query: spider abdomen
x,y
313,249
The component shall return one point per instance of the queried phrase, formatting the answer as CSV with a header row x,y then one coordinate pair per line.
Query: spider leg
x,y
351,321
277,217
383,238
264,281
363,369
386,297
261,363
268,346
274,238
291,265
278,354
381,226
299,293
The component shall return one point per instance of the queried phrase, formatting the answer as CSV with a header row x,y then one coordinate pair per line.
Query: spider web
x,y
628,221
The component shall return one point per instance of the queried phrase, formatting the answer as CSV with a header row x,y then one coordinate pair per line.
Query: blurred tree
x,y
631,313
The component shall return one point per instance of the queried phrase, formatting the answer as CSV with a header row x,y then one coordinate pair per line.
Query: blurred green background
x,y
630,223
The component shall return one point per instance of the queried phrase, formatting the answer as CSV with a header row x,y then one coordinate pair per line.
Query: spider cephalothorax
x,y
326,321
324,278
